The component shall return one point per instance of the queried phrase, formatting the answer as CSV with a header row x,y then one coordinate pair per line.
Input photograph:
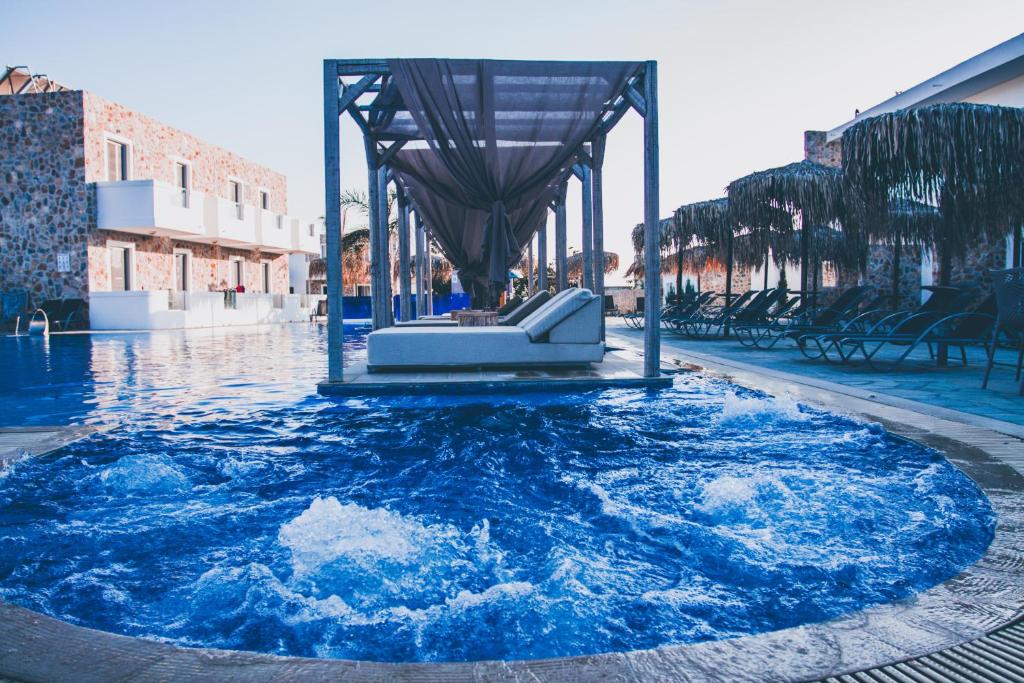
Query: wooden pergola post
x,y
404,266
529,269
597,184
428,271
384,249
586,181
372,212
332,219
542,256
561,269
652,238
421,298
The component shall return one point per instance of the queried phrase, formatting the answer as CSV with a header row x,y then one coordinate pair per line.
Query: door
x,y
237,276
181,180
120,269
181,272
265,272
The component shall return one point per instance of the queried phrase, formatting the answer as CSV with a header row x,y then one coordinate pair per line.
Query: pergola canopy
x,y
481,147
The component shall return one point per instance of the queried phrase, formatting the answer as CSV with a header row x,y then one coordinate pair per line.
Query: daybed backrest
x,y
526,308
546,306
542,321
581,327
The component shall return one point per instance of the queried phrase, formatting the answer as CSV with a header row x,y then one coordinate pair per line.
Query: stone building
x,y
148,224
996,77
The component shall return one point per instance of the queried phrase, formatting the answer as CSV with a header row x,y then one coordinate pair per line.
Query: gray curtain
x,y
489,142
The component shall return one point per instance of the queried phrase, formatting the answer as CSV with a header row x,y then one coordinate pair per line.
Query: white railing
x,y
149,207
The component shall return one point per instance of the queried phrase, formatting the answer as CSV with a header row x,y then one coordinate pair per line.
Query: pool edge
x,y
987,596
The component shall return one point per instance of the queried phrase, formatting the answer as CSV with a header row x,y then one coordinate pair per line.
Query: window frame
x,y
128,152
188,268
129,272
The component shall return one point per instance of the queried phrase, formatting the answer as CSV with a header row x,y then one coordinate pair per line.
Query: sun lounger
x,y
757,308
841,346
564,331
806,320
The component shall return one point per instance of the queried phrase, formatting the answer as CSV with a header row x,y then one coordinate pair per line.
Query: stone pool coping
x,y
986,596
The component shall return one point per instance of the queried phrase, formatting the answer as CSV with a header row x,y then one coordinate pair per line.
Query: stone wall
x,y
208,271
155,147
45,205
819,151
974,267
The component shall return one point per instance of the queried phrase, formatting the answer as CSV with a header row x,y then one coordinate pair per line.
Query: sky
x,y
739,80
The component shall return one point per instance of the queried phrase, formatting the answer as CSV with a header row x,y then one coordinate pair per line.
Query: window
x,y
361,290
264,200
265,277
235,190
181,181
117,160
120,268
181,268
237,272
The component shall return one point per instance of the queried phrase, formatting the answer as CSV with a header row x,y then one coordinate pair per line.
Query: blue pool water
x,y
232,507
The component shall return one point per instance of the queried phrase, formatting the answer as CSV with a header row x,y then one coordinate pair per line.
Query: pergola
x,y
480,150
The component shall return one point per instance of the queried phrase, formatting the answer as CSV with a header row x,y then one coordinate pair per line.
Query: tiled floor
x,y
954,388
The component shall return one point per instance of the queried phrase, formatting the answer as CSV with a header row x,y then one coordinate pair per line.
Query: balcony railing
x,y
149,207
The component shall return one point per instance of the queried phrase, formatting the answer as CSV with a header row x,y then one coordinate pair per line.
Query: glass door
x,y
119,269
181,272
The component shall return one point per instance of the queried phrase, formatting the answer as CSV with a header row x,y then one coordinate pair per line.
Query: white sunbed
x,y
564,331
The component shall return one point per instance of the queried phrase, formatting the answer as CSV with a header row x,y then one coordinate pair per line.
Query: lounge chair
x,y
515,315
756,308
564,331
673,319
636,318
960,330
843,346
1009,292
806,320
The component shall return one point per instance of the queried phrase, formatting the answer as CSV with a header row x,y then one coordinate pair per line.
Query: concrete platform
x,y
621,368
26,442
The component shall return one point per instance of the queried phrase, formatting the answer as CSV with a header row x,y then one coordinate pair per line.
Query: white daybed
x,y
564,331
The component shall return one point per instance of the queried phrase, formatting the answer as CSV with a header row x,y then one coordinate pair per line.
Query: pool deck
x,y
953,391
621,368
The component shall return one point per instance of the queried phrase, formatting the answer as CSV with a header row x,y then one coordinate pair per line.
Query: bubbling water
x,y
468,528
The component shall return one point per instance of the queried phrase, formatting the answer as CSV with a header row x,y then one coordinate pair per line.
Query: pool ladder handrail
x,y
35,326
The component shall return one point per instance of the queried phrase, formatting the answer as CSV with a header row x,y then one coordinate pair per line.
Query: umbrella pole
x,y
945,277
896,268
766,270
728,281
679,273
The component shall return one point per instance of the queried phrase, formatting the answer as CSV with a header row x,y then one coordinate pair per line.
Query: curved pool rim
x,y
986,596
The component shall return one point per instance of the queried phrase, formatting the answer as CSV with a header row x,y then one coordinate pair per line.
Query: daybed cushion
x,y
420,347
542,321
526,308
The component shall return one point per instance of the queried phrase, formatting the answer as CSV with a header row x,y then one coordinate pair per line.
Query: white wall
x,y
149,310
1008,94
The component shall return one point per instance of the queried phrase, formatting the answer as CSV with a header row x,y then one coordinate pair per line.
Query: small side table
x,y
476,318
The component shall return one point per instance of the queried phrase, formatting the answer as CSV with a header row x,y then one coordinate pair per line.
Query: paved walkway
x,y
954,388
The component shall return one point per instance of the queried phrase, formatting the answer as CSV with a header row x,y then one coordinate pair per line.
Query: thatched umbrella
x,y
813,192
574,264
967,159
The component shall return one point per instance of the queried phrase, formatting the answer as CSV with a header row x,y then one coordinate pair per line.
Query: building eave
x,y
985,70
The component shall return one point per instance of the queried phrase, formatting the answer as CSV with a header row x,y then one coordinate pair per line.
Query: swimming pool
x,y
233,507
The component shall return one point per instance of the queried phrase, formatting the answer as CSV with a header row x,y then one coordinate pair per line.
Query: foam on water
x,y
456,528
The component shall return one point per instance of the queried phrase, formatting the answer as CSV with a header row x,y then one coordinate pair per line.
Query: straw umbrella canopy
x,y
811,191
574,264
967,159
